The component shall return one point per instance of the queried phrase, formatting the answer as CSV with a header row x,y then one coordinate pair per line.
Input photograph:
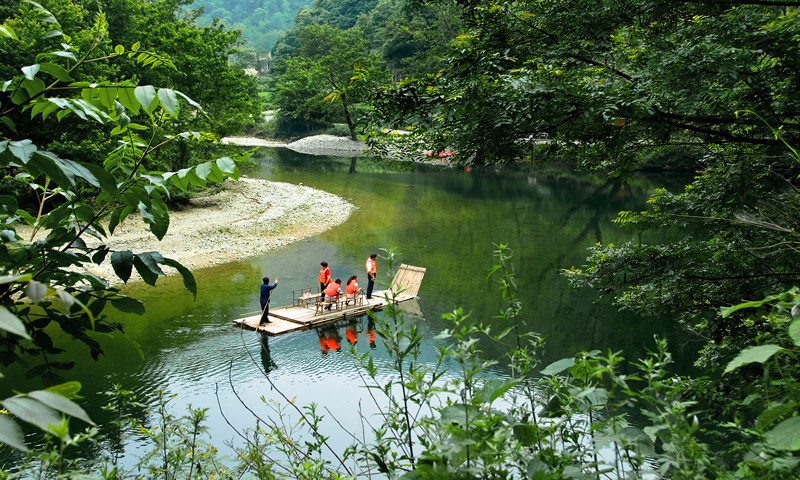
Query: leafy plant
x,y
42,282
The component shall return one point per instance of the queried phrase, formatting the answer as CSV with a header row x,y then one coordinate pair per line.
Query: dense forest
x,y
615,87
261,21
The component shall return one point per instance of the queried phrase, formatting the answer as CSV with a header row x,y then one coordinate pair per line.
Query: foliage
x,y
613,85
261,21
591,415
43,283
327,66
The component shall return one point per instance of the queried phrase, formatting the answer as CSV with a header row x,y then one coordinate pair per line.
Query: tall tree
x,y
331,65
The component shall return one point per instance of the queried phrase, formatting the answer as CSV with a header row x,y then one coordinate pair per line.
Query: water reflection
x,y
266,357
329,339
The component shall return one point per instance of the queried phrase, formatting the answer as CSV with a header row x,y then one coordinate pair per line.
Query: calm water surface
x,y
445,220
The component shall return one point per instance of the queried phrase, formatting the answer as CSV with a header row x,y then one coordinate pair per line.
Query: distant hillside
x,y
261,21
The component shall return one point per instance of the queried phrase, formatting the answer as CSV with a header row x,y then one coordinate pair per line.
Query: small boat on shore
x,y
303,314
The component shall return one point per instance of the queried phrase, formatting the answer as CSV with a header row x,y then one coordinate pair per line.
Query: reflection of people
x,y
351,332
266,291
329,339
324,276
266,357
370,332
372,269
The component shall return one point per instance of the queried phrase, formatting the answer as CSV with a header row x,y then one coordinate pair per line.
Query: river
x,y
446,220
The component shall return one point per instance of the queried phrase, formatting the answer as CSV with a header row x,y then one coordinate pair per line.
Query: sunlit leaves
x,y
12,324
42,408
786,435
146,96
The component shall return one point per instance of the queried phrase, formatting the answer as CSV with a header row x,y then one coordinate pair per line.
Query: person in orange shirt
x,y
372,269
324,276
332,292
351,289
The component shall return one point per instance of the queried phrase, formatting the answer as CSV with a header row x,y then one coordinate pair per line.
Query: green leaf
x,y
61,404
786,435
33,87
203,170
770,415
156,216
794,332
727,311
190,101
128,305
8,123
32,411
455,414
22,149
102,178
122,263
30,71
526,434
188,279
12,324
11,434
8,32
8,204
494,388
757,354
107,95
128,99
169,100
36,291
57,71
558,366
119,49
67,389
228,166
147,266
146,95
63,54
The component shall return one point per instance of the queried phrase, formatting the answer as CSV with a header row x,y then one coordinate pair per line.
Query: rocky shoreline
x,y
242,219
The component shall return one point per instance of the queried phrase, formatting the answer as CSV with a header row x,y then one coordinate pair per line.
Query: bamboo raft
x,y
302,315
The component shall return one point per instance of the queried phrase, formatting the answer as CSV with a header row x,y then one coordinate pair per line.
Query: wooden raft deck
x,y
292,317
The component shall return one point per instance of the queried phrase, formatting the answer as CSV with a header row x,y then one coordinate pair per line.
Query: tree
x,y
619,86
79,204
330,65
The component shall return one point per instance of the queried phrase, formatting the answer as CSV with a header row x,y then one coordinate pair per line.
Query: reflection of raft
x,y
288,318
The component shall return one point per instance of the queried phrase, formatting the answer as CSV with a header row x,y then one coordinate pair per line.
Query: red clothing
x,y
333,344
351,336
352,288
325,275
332,289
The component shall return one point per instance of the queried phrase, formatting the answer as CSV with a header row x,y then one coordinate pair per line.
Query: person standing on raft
x,y
266,291
371,267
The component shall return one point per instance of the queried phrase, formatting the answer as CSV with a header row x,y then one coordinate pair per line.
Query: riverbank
x,y
239,220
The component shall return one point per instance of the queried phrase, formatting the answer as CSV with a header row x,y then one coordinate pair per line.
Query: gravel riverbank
x,y
242,219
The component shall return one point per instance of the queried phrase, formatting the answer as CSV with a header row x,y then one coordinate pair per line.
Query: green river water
x,y
446,220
